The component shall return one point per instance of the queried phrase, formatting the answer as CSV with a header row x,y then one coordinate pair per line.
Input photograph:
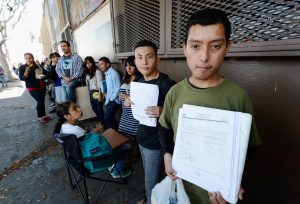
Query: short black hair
x,y
105,59
146,43
209,16
64,41
54,54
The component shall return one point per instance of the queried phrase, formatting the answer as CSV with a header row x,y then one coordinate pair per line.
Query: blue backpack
x,y
94,145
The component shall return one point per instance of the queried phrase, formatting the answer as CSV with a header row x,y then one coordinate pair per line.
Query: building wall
x,y
94,37
45,37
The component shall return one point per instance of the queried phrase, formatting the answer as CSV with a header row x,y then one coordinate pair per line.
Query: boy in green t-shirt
x,y
206,44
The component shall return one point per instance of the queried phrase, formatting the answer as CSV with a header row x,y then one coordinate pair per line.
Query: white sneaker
x,y
111,168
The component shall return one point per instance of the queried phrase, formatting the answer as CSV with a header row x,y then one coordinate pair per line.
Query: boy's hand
x,y
168,166
153,111
216,197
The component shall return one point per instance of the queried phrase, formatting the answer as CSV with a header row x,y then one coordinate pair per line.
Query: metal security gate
x,y
257,26
135,20
260,27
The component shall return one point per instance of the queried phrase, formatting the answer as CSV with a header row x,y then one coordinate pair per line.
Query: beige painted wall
x,y
45,37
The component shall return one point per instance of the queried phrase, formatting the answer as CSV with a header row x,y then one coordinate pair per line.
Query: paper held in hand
x,y
143,95
210,150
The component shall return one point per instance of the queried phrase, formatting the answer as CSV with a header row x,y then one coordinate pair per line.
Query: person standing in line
x,y
128,125
3,77
146,61
113,83
59,92
206,44
93,77
69,69
34,76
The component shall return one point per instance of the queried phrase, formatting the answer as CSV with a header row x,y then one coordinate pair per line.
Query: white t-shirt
x,y
72,129
95,82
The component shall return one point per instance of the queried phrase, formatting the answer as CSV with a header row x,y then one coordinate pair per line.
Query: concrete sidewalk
x,y
42,177
21,133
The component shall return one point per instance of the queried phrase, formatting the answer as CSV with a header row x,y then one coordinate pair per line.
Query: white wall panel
x,y
94,37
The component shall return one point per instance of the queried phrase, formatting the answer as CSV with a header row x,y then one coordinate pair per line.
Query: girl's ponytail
x,y
62,110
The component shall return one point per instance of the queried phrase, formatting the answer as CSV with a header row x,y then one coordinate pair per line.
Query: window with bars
x,y
270,27
135,20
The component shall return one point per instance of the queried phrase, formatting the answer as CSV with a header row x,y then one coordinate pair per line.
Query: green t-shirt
x,y
226,96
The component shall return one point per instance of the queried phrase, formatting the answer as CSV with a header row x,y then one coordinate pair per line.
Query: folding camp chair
x,y
78,172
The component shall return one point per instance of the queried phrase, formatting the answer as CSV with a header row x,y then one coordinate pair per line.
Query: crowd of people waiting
x,y
205,45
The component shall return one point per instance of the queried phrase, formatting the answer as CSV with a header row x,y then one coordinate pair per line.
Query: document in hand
x,y
143,95
211,147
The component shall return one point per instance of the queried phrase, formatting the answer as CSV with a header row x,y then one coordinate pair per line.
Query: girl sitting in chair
x,y
68,117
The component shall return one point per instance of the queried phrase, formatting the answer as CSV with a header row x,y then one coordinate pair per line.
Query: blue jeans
x,y
109,117
60,94
97,107
39,97
70,89
152,162
123,157
3,80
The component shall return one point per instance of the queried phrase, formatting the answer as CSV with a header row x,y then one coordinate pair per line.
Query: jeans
x,y
122,157
3,80
60,94
70,89
97,107
152,162
109,117
39,96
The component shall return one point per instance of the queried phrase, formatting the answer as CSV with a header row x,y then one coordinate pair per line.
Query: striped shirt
x,y
127,123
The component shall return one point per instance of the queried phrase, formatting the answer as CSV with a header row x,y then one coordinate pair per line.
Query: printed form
x,y
143,95
210,148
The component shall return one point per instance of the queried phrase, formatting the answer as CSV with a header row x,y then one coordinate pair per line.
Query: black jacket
x,y
148,136
30,80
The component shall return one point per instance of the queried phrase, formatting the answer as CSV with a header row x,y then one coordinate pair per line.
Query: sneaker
x,y
43,120
47,117
52,105
122,174
111,168
53,110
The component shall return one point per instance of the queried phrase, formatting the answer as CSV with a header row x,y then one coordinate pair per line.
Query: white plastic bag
x,y
169,192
